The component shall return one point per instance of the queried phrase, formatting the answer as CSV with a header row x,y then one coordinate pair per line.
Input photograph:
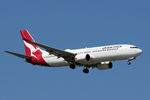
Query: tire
x,y
72,66
85,70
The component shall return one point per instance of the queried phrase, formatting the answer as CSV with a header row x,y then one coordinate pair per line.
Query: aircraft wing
x,y
69,57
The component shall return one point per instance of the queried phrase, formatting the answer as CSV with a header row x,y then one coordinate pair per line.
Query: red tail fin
x,y
32,50
29,48
26,35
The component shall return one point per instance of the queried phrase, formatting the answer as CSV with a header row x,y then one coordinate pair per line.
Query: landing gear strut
x,y
129,61
85,70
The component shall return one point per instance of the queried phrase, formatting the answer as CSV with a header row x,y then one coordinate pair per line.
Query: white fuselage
x,y
97,54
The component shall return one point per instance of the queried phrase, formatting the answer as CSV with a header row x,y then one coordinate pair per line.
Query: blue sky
x,y
74,24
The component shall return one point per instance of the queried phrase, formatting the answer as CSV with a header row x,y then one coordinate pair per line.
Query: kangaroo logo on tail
x,y
32,50
29,48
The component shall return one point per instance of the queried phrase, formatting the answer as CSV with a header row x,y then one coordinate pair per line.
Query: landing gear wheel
x,y
85,70
129,63
72,66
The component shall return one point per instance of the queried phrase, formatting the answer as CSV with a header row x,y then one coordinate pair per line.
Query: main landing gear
x,y
129,61
72,66
86,70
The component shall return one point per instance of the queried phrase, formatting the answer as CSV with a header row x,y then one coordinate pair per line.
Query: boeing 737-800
x,y
95,57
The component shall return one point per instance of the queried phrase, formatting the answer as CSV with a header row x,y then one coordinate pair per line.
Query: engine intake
x,y
88,57
82,57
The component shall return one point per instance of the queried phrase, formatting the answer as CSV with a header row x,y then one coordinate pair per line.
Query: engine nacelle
x,y
105,65
82,57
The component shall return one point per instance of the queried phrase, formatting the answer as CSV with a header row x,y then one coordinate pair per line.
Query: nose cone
x,y
139,51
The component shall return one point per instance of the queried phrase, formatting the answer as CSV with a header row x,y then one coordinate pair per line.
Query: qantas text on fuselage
x,y
95,57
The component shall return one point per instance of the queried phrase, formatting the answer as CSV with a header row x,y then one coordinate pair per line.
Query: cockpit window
x,y
133,47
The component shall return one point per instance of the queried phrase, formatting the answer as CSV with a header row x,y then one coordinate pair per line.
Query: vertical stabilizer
x,y
31,49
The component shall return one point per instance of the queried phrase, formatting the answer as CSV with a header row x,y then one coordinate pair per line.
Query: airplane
x,y
95,57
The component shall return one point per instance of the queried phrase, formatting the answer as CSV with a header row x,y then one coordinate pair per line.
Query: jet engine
x,y
105,65
82,57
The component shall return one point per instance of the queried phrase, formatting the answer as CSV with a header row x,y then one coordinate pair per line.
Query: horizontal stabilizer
x,y
19,55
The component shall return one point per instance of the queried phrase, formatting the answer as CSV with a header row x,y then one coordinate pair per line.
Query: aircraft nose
x,y
139,51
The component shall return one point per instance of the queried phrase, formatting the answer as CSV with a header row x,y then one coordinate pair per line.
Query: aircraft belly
x,y
56,62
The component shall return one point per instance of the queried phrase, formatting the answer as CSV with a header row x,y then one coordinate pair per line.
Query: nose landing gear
x,y
129,61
